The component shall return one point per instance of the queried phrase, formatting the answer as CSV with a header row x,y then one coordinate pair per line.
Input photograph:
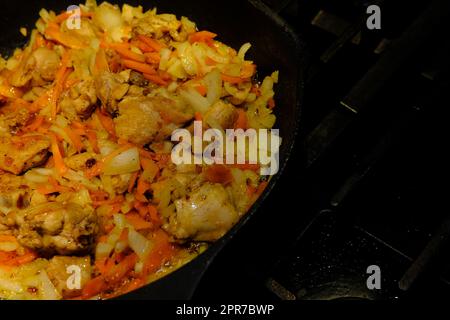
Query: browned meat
x,y
205,214
10,122
40,67
221,115
80,100
19,154
14,193
54,227
137,122
59,270
82,161
144,120
110,88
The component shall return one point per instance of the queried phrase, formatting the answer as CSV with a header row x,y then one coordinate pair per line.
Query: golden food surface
x,y
91,204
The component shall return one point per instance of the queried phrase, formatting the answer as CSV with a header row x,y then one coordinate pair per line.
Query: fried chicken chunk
x,y
54,227
205,214
19,154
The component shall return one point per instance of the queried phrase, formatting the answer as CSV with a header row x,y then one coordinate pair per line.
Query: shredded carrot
x,y
152,43
198,116
153,212
130,55
38,121
138,66
152,57
101,62
57,157
155,79
53,31
201,89
210,62
42,101
137,222
271,103
75,138
241,121
248,70
60,78
141,189
92,137
162,251
65,15
231,79
202,36
7,238
132,181
107,123
143,46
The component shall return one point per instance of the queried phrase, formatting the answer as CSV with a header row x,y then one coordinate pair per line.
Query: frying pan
x,y
274,47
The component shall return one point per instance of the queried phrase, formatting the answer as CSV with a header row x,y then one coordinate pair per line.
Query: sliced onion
x,y
140,245
195,99
48,290
213,82
125,162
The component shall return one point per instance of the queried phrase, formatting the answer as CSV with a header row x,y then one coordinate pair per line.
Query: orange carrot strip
x,y
7,238
132,181
231,79
92,137
152,57
241,121
202,36
53,31
128,54
107,122
155,79
75,138
138,66
201,89
144,47
38,121
248,70
101,62
198,116
57,157
154,215
155,44
137,222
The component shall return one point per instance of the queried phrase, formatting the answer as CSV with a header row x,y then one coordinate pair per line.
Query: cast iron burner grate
x,y
365,185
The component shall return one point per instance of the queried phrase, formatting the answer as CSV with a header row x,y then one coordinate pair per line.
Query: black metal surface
x,y
275,46
373,188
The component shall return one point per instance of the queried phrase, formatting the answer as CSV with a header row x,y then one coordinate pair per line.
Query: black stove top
x,y
363,194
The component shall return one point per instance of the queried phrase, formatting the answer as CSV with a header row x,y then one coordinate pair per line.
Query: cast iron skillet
x,y
274,46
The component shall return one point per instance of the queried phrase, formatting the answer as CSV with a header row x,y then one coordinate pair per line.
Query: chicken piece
x,y
221,115
59,270
205,215
14,192
82,161
158,25
40,67
111,88
19,154
137,122
148,119
10,122
55,227
80,100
